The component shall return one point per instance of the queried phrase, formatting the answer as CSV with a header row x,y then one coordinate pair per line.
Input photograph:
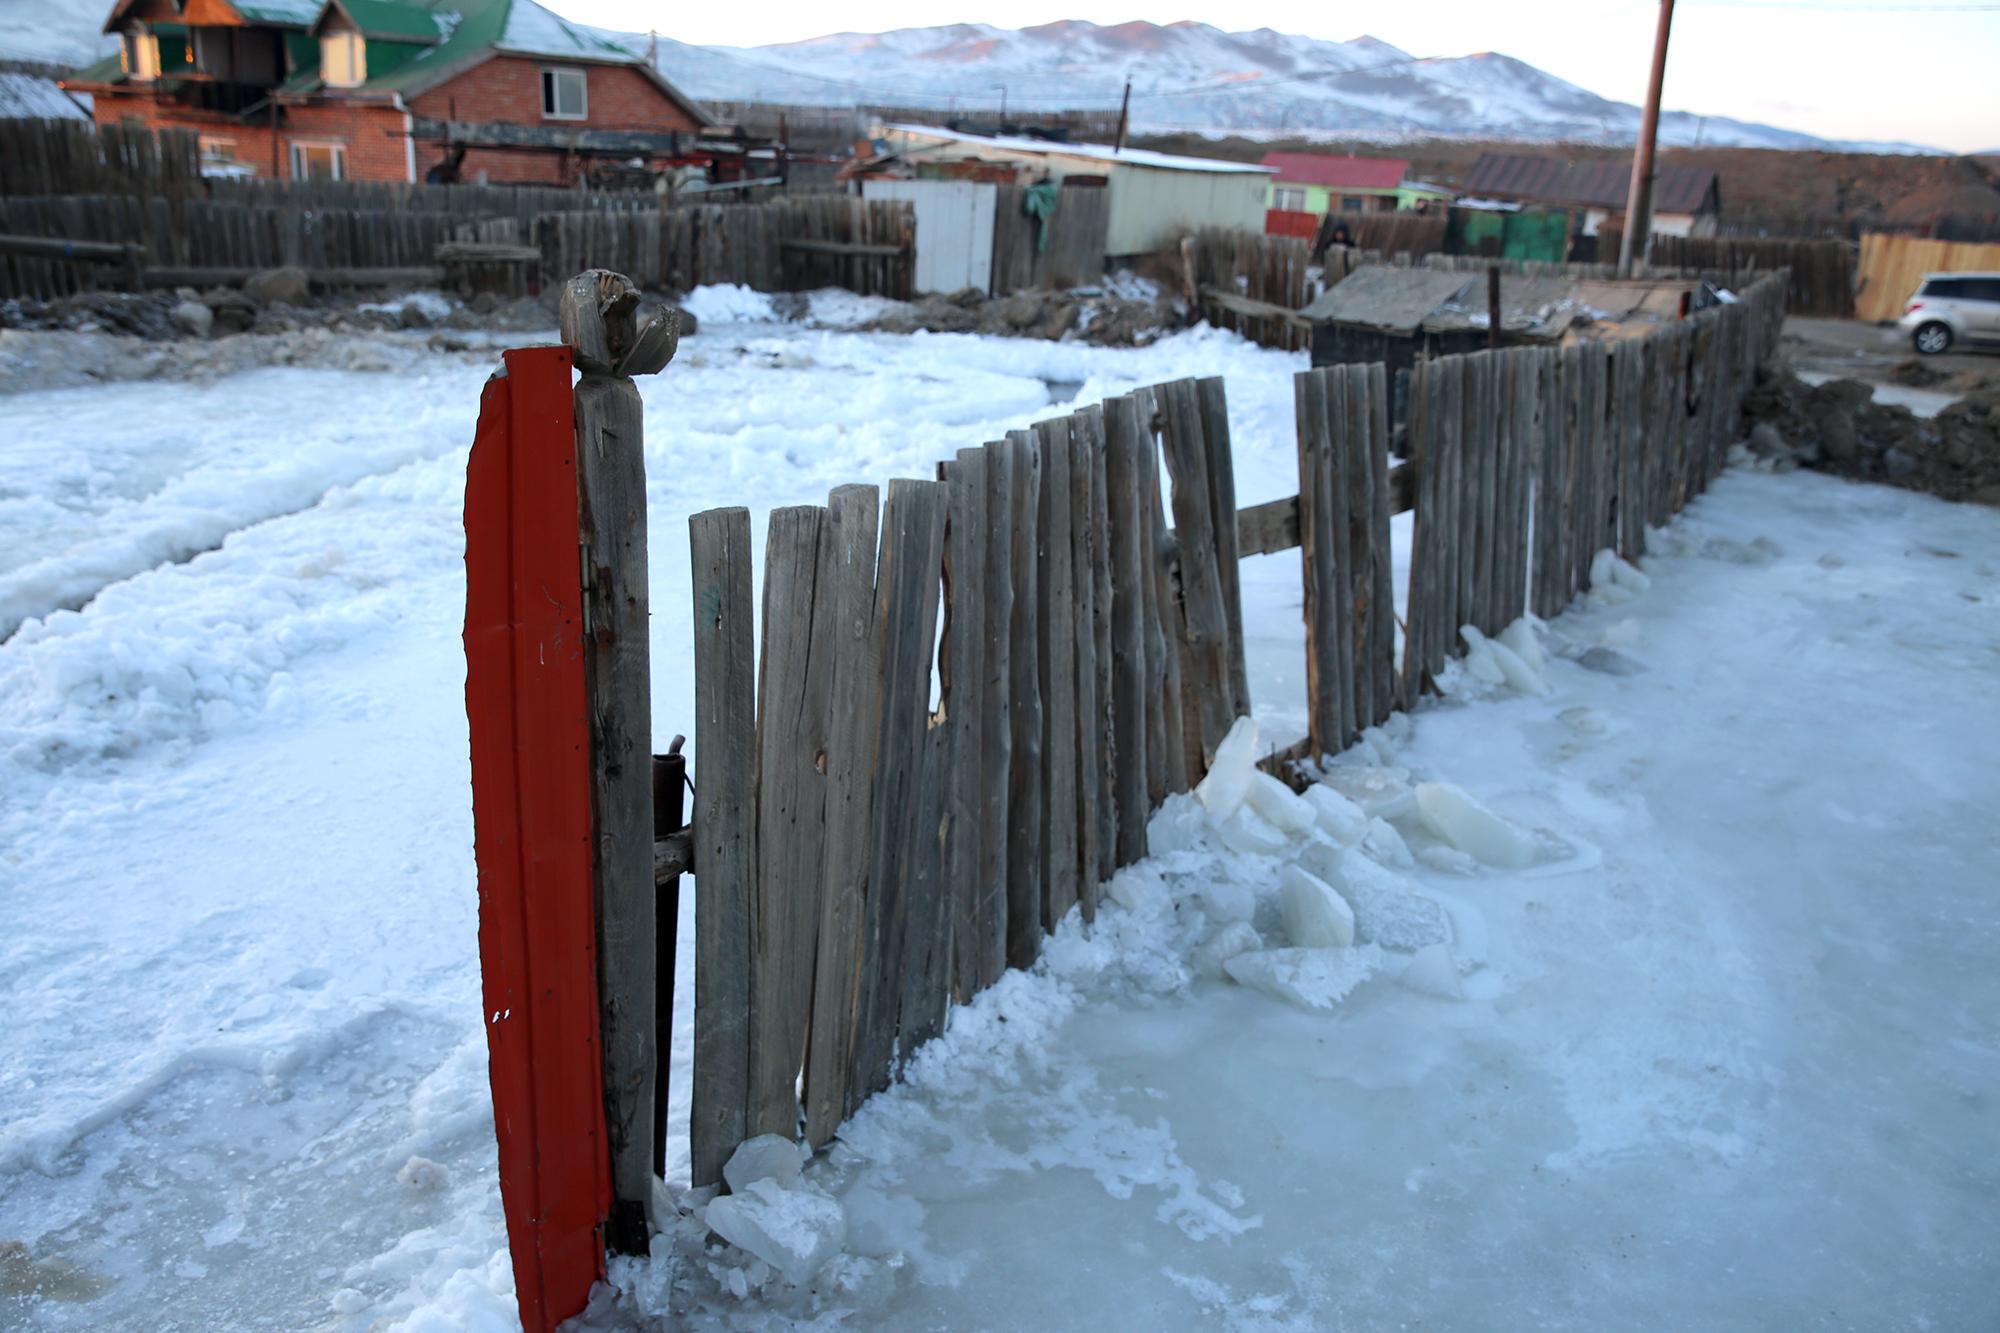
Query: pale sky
x,y
1927,73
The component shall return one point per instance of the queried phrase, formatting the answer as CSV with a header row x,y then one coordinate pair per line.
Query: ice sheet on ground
x,y
1309,978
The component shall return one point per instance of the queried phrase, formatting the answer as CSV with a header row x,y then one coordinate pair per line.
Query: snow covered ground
x,y
1727,1057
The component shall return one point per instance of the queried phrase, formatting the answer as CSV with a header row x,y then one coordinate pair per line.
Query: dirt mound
x,y
1838,427
1103,318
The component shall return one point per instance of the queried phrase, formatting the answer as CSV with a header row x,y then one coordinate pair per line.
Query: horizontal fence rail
x,y
1080,581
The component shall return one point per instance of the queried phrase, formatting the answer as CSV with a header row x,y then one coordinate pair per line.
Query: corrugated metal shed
x,y
1556,180
1155,198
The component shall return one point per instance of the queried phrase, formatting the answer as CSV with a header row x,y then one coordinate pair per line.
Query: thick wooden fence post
x,y
598,325
526,701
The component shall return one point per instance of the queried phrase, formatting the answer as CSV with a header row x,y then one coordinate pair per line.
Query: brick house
x,y
382,89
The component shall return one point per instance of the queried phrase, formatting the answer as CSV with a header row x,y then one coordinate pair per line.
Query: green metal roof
x,y
395,20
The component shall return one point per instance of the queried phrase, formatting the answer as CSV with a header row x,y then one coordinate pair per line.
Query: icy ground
x,y
1728,1058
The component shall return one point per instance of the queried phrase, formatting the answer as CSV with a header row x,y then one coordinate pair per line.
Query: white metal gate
x,y
954,230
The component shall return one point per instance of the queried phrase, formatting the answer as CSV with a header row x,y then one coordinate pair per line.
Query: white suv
x,y
1953,308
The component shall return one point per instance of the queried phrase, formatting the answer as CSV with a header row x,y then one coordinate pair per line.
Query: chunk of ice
x,y
1316,916
1448,859
1309,978
766,1157
1387,908
1228,780
1227,900
1248,831
1382,793
1514,672
1386,845
1520,636
1138,888
794,1230
1342,819
1279,805
1177,826
1234,938
1469,826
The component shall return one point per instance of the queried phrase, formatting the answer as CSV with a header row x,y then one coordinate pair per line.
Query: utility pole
x,y
1639,202
1124,117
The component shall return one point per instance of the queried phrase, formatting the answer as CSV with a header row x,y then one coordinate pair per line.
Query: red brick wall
x,y
371,133
509,88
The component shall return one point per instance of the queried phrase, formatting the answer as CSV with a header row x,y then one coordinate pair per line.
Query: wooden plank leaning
x,y
1206,693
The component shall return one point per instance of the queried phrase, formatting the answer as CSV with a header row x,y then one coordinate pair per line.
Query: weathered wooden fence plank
x,y
1319,570
792,734
996,719
1025,863
1126,438
854,703
1057,642
962,664
906,606
725,672
1206,692
1388,685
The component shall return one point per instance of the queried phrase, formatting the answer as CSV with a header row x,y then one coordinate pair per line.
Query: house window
x,y
1293,201
140,55
563,95
1350,203
343,59
319,162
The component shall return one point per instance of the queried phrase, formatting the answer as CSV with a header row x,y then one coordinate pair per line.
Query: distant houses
x,y
1154,198
386,90
1687,201
1319,183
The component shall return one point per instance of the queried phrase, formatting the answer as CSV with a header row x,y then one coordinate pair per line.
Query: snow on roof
x,y
1100,152
32,97
1338,170
532,30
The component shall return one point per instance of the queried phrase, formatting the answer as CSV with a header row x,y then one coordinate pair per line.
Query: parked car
x,y
1953,308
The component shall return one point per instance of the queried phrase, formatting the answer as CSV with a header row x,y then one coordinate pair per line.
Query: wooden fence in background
x,y
1822,270
1256,285
1893,267
1075,254
1402,232
796,243
47,157
901,854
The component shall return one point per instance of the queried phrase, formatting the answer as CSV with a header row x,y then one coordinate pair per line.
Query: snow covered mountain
x,y
1192,76
1185,76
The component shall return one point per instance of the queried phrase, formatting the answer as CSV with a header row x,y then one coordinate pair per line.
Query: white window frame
x,y
146,46
1289,198
551,75
296,160
356,50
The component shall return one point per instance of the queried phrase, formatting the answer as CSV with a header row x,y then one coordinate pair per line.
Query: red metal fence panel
x,y
1290,222
524,698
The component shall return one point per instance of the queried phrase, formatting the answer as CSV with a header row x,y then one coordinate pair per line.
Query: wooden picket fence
x,y
49,157
1822,270
867,858
790,244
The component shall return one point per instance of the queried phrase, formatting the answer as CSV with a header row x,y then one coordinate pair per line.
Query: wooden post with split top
x,y
557,696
